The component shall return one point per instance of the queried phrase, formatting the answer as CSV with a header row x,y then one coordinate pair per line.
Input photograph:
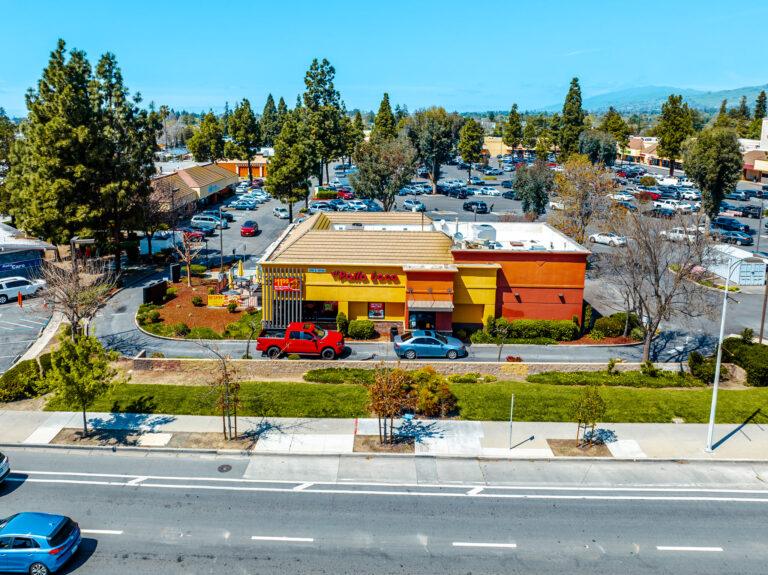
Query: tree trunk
x,y
501,346
85,423
327,176
671,168
116,239
250,171
649,333
290,211
223,422
469,173
381,437
149,245
189,273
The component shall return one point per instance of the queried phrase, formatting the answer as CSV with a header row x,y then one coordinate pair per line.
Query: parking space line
x,y
702,549
488,545
19,325
282,539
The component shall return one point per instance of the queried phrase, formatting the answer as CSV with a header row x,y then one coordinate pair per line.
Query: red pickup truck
x,y
302,339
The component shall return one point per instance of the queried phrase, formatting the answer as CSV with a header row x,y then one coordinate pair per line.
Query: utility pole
x,y
221,244
511,412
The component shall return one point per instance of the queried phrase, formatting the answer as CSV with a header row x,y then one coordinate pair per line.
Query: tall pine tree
x,y
269,121
513,129
573,120
207,143
385,124
674,127
246,134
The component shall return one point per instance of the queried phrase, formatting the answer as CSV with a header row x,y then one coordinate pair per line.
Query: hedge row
x,y
526,329
23,380
623,379
753,357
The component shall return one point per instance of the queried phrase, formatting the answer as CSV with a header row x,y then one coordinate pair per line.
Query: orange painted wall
x,y
535,285
441,284
259,170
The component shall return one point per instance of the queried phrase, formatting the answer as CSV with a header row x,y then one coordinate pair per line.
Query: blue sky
x,y
466,56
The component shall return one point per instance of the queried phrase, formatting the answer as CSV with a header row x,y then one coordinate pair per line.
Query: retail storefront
x,y
388,269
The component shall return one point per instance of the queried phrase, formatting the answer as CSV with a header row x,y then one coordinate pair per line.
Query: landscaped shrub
x,y
197,301
147,313
180,329
624,378
170,293
342,323
157,355
340,375
44,361
433,396
326,194
203,333
637,334
294,356
648,181
613,325
197,270
362,329
648,368
21,381
232,307
153,316
471,378
702,367
753,357
460,333
596,335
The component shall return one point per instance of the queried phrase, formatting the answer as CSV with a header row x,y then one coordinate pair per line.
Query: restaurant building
x,y
407,270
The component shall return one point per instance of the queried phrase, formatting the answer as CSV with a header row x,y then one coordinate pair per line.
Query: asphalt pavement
x,y
191,514
20,327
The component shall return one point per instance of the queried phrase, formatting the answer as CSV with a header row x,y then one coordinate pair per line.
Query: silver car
x,y
12,286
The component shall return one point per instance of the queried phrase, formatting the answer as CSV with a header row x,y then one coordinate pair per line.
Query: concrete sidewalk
x,y
486,439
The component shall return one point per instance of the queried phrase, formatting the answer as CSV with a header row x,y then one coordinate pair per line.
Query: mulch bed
x,y
371,444
180,308
126,438
569,448
586,340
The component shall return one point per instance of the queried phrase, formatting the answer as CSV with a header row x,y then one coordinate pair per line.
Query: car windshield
x,y
319,333
441,338
406,336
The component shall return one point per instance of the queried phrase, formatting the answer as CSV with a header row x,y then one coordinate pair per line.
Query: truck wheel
x,y
328,353
410,354
452,354
273,352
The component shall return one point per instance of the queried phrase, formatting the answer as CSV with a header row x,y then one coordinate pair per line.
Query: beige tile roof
x,y
203,176
366,248
185,195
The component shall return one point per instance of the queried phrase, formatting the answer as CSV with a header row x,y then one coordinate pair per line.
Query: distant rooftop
x,y
13,240
508,236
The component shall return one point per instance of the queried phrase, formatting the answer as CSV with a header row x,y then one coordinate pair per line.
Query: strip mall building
x,y
407,270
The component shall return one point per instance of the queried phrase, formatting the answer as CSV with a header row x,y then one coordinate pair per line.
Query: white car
x,y
556,205
358,206
622,197
608,239
11,287
487,191
693,195
677,205
678,235
413,205
280,212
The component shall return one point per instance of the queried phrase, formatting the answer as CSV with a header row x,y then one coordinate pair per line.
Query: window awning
x,y
430,305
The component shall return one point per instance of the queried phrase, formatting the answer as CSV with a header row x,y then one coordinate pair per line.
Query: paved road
x,y
179,514
19,328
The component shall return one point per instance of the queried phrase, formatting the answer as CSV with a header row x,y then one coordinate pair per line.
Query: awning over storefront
x,y
430,305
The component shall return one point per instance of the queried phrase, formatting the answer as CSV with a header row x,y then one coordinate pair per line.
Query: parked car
x,y
321,206
733,237
750,211
509,195
678,235
37,543
249,228
553,205
730,224
357,206
488,191
493,172
10,287
427,343
414,205
675,205
372,206
280,212
216,221
224,215
346,194
658,212
192,235
206,228
629,206
693,195
737,195
246,205
302,339
460,193
5,467
608,239
622,197
507,184
475,181
337,204
477,206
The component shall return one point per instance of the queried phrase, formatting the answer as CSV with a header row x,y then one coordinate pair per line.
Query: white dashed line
x,y
703,549
303,486
475,490
489,545
282,539
101,532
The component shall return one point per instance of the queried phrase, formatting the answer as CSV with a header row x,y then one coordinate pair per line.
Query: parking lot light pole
x,y
718,363
221,244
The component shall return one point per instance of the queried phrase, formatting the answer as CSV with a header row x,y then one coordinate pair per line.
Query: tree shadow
x,y
265,428
12,483
673,346
418,431
87,548
136,416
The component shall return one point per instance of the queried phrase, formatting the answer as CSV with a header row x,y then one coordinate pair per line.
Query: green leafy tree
x,y
599,147
529,135
431,132
207,143
80,373
282,114
587,409
383,167
513,129
292,163
713,160
756,124
723,119
246,134
225,120
325,111
555,127
401,114
354,133
385,124
471,138
8,131
674,127
573,120
533,185
269,122
615,125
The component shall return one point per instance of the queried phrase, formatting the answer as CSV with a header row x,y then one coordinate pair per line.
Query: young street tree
x,y
713,160
383,167
471,138
81,373
533,185
385,124
674,127
207,143
389,395
599,147
588,409
583,190
293,161
432,134
245,132
572,121
226,390
657,277
512,136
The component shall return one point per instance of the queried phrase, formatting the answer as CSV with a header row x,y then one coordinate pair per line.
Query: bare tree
x,y
658,277
77,292
158,210
389,396
226,389
187,251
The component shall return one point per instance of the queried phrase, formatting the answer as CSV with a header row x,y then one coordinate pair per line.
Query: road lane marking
x,y
475,491
703,549
303,486
283,539
136,480
101,532
491,545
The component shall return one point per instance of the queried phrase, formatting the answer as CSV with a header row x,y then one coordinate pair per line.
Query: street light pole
x,y
718,363
221,244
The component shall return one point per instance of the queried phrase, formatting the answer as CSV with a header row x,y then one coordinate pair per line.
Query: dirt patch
x,y
96,437
181,310
34,404
586,340
129,438
569,448
371,444
209,441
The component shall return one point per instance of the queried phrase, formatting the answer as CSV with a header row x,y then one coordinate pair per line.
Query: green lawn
x,y
624,379
477,401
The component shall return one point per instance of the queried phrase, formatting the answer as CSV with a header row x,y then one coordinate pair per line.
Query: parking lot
x,y
19,328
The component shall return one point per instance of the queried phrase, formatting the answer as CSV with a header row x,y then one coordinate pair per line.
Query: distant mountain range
x,y
650,98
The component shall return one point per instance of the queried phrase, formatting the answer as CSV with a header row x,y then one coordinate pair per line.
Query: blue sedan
x,y
427,343
37,543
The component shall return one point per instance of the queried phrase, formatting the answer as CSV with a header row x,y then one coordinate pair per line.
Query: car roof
x,y
12,278
247,223
41,524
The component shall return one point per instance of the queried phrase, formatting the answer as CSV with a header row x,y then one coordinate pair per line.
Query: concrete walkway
x,y
484,439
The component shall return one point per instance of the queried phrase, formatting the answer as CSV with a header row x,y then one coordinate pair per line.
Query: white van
x,y
209,219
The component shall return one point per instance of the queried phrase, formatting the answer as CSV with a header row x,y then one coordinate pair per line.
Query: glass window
x,y
294,335
61,534
406,336
306,335
441,338
5,542
16,283
420,341
24,543
319,333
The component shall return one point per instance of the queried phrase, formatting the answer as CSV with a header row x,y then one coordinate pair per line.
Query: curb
x,y
368,455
